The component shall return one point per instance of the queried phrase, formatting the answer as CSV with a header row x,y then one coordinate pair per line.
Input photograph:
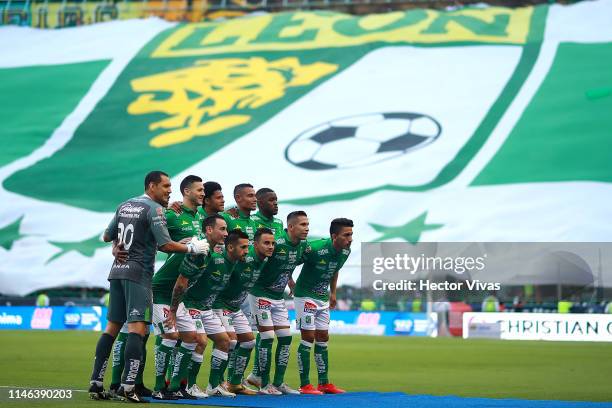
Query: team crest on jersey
x,y
264,304
310,307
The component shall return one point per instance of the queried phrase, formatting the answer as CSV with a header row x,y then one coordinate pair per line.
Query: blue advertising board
x,y
94,318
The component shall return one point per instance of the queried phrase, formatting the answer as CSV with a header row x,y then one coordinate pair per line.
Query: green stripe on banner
x,y
35,100
565,134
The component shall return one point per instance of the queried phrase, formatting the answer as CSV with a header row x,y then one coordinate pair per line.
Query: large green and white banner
x,y
480,124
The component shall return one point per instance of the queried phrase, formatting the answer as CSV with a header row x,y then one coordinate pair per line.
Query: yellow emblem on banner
x,y
216,95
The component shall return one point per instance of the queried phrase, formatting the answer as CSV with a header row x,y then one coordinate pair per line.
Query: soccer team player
x,y
224,280
138,228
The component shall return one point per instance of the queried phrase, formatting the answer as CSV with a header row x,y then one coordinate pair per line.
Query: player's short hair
x,y
338,223
211,221
294,214
234,235
238,189
188,181
154,177
262,192
261,231
210,187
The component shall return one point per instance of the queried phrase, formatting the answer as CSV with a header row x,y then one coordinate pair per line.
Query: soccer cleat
x,y
131,396
163,395
240,389
269,390
287,390
183,394
308,389
254,380
218,391
195,391
113,392
330,388
143,391
96,391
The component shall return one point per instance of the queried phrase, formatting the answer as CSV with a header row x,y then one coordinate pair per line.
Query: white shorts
x,y
212,322
269,312
246,310
184,323
234,322
311,314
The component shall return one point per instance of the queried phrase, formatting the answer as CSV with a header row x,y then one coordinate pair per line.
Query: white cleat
x,y
247,385
269,390
254,380
287,390
195,391
218,391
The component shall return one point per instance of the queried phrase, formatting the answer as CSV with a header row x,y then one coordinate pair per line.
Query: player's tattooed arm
x,y
180,287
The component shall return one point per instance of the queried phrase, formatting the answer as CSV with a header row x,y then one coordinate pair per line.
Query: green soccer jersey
x,y
279,268
242,280
243,222
210,275
261,221
184,225
321,262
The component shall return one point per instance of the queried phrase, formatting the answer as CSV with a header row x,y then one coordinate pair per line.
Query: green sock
x,y
171,361
196,363
265,360
162,357
118,358
303,360
179,371
255,364
283,348
241,357
218,363
320,355
143,361
231,360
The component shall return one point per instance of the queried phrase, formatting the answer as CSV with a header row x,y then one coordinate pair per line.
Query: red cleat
x,y
330,388
308,389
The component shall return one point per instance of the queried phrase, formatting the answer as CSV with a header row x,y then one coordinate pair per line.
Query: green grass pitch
x,y
445,366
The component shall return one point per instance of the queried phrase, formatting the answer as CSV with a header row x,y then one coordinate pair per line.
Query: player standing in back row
x,y
315,294
138,227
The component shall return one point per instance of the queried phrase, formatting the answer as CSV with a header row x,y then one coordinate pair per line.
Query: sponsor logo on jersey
x,y
184,222
194,313
264,304
219,261
135,312
226,312
166,311
131,209
310,307
322,262
323,251
160,211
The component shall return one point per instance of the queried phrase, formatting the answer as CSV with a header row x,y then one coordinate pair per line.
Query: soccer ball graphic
x,y
361,140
